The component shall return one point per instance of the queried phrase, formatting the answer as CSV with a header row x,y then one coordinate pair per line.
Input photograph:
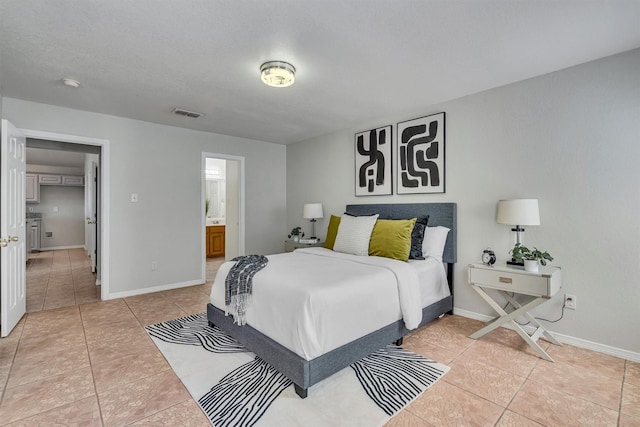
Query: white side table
x,y
290,245
541,286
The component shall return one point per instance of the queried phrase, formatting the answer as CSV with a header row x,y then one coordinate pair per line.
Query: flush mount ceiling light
x,y
71,82
277,74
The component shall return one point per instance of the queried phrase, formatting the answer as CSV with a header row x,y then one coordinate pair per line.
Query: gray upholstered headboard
x,y
443,214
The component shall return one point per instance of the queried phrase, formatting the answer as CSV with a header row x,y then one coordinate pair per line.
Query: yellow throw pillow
x,y
391,238
332,232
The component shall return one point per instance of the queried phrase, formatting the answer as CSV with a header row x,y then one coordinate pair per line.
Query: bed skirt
x,y
305,373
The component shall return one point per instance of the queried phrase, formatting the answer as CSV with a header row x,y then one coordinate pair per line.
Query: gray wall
x,y
67,224
570,139
163,165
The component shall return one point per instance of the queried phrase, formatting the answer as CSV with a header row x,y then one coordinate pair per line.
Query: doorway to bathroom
x,y
223,210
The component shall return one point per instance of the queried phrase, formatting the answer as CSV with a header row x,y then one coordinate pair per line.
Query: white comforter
x,y
315,300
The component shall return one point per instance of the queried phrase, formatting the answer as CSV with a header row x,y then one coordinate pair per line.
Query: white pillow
x,y
434,240
354,233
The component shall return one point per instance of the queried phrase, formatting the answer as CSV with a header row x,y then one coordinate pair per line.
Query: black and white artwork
x,y
373,162
421,147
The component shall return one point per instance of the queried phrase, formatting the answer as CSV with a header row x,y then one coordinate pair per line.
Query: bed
x,y
304,362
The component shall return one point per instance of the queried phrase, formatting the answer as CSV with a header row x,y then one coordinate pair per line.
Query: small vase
x,y
295,238
531,265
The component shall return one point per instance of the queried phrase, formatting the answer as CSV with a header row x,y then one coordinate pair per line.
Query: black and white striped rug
x,y
234,387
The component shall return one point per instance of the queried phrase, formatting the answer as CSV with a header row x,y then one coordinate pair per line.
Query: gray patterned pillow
x,y
417,236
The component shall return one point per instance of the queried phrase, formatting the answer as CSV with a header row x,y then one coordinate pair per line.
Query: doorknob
x,y
3,243
13,238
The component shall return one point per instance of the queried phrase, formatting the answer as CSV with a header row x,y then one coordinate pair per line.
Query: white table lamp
x,y
313,211
518,212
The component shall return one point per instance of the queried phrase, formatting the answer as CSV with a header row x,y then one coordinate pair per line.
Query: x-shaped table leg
x,y
509,317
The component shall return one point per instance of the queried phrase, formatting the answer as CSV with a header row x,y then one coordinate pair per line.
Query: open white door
x,y
13,300
92,213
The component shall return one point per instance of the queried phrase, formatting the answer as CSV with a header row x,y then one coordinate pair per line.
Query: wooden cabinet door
x,y
215,241
32,188
50,179
72,180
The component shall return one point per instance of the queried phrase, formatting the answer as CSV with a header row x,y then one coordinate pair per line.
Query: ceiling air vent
x,y
186,113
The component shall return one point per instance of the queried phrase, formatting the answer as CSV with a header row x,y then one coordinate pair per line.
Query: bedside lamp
x,y
312,211
518,212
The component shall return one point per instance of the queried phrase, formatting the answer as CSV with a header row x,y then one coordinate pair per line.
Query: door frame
x,y
105,161
241,204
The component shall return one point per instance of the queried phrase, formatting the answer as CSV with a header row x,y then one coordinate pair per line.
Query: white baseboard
x,y
160,288
59,248
566,339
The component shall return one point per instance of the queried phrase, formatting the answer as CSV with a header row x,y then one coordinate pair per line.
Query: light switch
x,y
134,197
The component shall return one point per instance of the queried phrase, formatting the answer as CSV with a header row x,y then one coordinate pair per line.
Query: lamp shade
x,y
518,212
312,211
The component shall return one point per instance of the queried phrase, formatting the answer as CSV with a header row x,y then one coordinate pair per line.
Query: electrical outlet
x,y
154,265
570,301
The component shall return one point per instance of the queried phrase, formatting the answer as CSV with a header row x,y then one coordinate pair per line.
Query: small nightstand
x,y
290,246
540,286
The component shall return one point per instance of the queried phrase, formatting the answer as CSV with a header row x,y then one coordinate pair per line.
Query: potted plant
x,y
296,234
531,257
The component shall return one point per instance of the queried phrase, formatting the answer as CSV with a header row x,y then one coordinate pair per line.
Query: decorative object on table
x,y
312,211
296,234
530,257
373,162
421,155
488,257
241,389
309,240
518,212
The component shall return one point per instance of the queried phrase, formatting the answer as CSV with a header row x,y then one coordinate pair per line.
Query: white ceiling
x,y
357,60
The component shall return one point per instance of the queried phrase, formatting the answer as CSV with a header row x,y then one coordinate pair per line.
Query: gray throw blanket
x,y
239,283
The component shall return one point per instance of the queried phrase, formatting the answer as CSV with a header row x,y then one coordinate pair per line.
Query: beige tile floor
x,y
60,279
93,364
